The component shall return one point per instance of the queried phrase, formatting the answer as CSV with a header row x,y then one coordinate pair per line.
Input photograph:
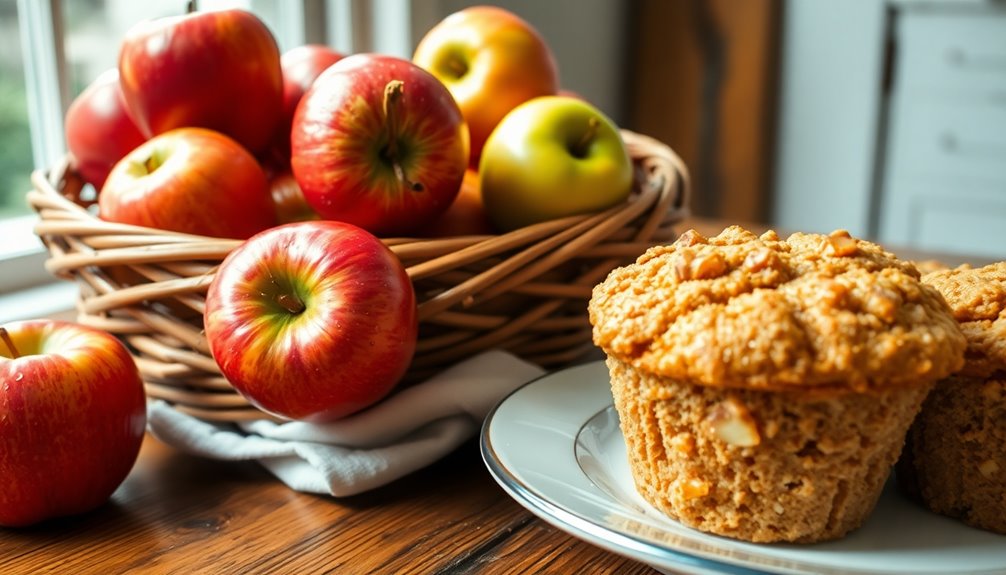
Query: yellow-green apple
x,y
312,320
301,66
217,70
491,60
551,157
465,217
288,199
190,180
99,131
380,143
72,417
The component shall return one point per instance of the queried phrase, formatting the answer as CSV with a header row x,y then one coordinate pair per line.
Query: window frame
x,y
22,255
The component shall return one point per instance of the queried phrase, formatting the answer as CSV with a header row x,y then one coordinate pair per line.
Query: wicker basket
x,y
524,291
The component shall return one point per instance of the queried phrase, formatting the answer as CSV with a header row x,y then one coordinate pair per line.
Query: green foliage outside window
x,y
16,161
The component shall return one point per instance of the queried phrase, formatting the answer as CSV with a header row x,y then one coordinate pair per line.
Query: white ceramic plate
x,y
554,445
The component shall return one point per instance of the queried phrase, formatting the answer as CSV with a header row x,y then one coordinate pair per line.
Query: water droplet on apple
x,y
19,377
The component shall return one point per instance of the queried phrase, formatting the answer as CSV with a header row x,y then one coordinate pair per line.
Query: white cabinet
x,y
892,122
943,176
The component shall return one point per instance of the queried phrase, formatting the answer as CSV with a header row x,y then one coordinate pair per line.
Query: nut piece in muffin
x,y
765,385
955,455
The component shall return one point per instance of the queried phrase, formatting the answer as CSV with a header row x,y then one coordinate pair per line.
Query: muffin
x,y
765,386
955,455
930,265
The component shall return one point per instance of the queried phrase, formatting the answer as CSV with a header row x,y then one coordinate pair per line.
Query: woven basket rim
x,y
157,311
46,182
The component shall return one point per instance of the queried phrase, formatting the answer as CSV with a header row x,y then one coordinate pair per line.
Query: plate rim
x,y
627,544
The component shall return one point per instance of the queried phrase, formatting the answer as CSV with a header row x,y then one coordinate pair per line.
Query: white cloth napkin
x,y
408,430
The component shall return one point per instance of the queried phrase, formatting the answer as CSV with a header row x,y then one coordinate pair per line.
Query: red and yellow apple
x,y
99,131
491,60
312,320
218,70
380,143
551,157
189,180
72,417
301,66
465,217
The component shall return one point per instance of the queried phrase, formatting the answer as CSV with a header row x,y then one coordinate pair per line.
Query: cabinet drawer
x,y
948,54
942,225
946,216
932,139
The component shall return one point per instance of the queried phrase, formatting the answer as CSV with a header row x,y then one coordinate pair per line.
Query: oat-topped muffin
x,y
765,385
955,456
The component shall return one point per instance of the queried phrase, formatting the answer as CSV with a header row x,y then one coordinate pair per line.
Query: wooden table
x,y
180,514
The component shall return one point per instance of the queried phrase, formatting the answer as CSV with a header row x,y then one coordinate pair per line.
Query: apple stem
x,y
190,7
457,67
291,303
580,148
9,342
393,91
150,164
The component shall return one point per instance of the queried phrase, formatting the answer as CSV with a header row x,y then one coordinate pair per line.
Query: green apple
x,y
551,157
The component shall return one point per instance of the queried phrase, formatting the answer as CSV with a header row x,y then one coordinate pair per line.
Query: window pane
x,y
16,161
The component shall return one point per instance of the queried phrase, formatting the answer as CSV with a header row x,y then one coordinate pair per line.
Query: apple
x,y
99,131
300,66
491,60
465,217
380,143
218,70
552,157
190,180
312,320
571,94
72,417
288,199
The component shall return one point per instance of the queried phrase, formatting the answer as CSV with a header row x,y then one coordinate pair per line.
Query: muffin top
x,y
811,312
977,298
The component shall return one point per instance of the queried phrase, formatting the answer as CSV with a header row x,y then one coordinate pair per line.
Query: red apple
x,y
491,60
288,199
72,417
466,216
301,66
99,131
312,320
217,70
380,143
189,180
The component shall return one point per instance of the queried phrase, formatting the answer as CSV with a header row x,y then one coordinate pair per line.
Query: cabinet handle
x,y
961,58
952,144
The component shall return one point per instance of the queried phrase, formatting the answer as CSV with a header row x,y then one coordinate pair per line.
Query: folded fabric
x,y
408,430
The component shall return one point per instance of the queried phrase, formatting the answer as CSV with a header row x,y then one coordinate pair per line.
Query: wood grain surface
x,y
176,513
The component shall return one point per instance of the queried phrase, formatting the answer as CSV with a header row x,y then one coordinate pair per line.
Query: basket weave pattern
x,y
525,291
